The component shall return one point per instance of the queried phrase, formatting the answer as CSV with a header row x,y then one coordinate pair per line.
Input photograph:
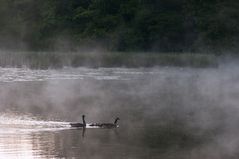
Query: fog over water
x,y
165,112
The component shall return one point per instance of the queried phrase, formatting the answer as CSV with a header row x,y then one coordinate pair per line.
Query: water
x,y
168,113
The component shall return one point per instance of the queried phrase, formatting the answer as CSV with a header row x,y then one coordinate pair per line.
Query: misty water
x,y
165,112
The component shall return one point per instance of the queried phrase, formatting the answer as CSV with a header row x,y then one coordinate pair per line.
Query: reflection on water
x,y
27,145
29,138
24,74
169,113
25,137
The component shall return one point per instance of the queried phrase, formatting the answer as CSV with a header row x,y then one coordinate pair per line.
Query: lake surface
x,y
168,113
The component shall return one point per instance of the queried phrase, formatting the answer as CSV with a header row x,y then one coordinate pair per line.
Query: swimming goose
x,y
83,125
106,125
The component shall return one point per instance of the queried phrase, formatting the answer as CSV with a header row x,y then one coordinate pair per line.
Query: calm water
x,y
168,113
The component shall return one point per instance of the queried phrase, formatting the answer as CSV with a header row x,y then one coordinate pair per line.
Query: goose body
x,y
106,125
83,125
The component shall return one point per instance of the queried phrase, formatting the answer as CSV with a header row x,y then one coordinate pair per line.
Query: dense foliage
x,y
122,25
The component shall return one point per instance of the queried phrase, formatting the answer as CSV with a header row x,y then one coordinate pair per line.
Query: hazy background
x,y
132,25
167,68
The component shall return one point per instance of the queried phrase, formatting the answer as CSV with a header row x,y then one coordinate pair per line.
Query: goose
x,y
106,125
83,125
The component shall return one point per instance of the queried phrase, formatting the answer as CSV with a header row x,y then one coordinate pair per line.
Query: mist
x,y
186,111
168,69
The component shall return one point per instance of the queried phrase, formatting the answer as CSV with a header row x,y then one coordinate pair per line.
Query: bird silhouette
x,y
83,125
106,125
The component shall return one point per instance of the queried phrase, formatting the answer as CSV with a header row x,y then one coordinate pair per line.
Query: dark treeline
x,y
120,25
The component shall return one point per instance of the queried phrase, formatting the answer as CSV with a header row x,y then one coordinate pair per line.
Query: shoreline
x,y
57,60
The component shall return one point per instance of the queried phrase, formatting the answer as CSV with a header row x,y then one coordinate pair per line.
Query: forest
x,y
120,25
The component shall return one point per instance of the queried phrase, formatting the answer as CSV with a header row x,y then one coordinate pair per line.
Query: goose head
x,y
116,120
